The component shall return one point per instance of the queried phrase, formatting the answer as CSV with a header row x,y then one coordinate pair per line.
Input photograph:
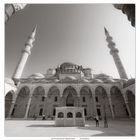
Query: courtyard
x,y
47,128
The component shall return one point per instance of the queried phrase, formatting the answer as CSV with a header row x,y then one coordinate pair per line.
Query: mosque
x,y
72,85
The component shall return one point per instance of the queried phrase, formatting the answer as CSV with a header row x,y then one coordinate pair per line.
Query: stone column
x,y
111,107
62,103
12,106
94,103
127,105
78,101
28,106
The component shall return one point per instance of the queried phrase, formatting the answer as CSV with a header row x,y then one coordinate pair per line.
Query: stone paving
x,y
45,128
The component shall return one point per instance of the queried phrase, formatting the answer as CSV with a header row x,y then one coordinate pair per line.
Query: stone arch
x,y
118,103
102,102
60,115
8,102
131,101
76,88
69,115
37,101
54,90
86,100
52,101
86,90
21,102
78,115
69,96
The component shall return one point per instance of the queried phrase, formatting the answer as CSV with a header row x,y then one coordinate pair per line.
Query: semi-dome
x,y
37,76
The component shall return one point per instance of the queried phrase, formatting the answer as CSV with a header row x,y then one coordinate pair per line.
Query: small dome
x,y
102,76
37,76
97,81
129,82
9,81
84,80
50,71
56,80
109,80
70,78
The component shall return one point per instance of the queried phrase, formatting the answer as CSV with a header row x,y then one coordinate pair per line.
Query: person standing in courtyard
x,y
97,121
105,122
43,117
35,116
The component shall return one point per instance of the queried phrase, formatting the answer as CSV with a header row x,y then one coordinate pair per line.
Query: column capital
x,y
93,91
30,95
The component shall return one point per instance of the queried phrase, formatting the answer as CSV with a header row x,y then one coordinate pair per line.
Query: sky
x,y
70,33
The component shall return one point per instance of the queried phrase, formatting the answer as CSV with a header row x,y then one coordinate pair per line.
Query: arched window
x,y
69,115
84,99
78,115
96,98
85,111
41,112
60,115
55,99
43,98
53,91
54,112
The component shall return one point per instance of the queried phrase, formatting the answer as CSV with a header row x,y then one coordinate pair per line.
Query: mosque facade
x,y
70,85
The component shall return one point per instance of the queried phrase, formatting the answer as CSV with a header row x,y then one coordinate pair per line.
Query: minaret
x,y
114,52
25,53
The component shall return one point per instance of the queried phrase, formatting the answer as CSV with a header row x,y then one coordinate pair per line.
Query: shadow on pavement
x,y
41,125
114,129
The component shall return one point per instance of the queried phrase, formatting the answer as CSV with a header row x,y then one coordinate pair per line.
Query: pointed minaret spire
x,y
114,52
31,38
106,32
25,53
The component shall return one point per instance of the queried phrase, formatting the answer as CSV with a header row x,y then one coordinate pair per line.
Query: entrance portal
x,y
69,97
70,100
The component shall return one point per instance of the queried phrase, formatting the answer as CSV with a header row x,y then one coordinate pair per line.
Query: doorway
x,y
70,100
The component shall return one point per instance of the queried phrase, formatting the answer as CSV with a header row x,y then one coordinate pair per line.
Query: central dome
x,y
69,68
68,65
